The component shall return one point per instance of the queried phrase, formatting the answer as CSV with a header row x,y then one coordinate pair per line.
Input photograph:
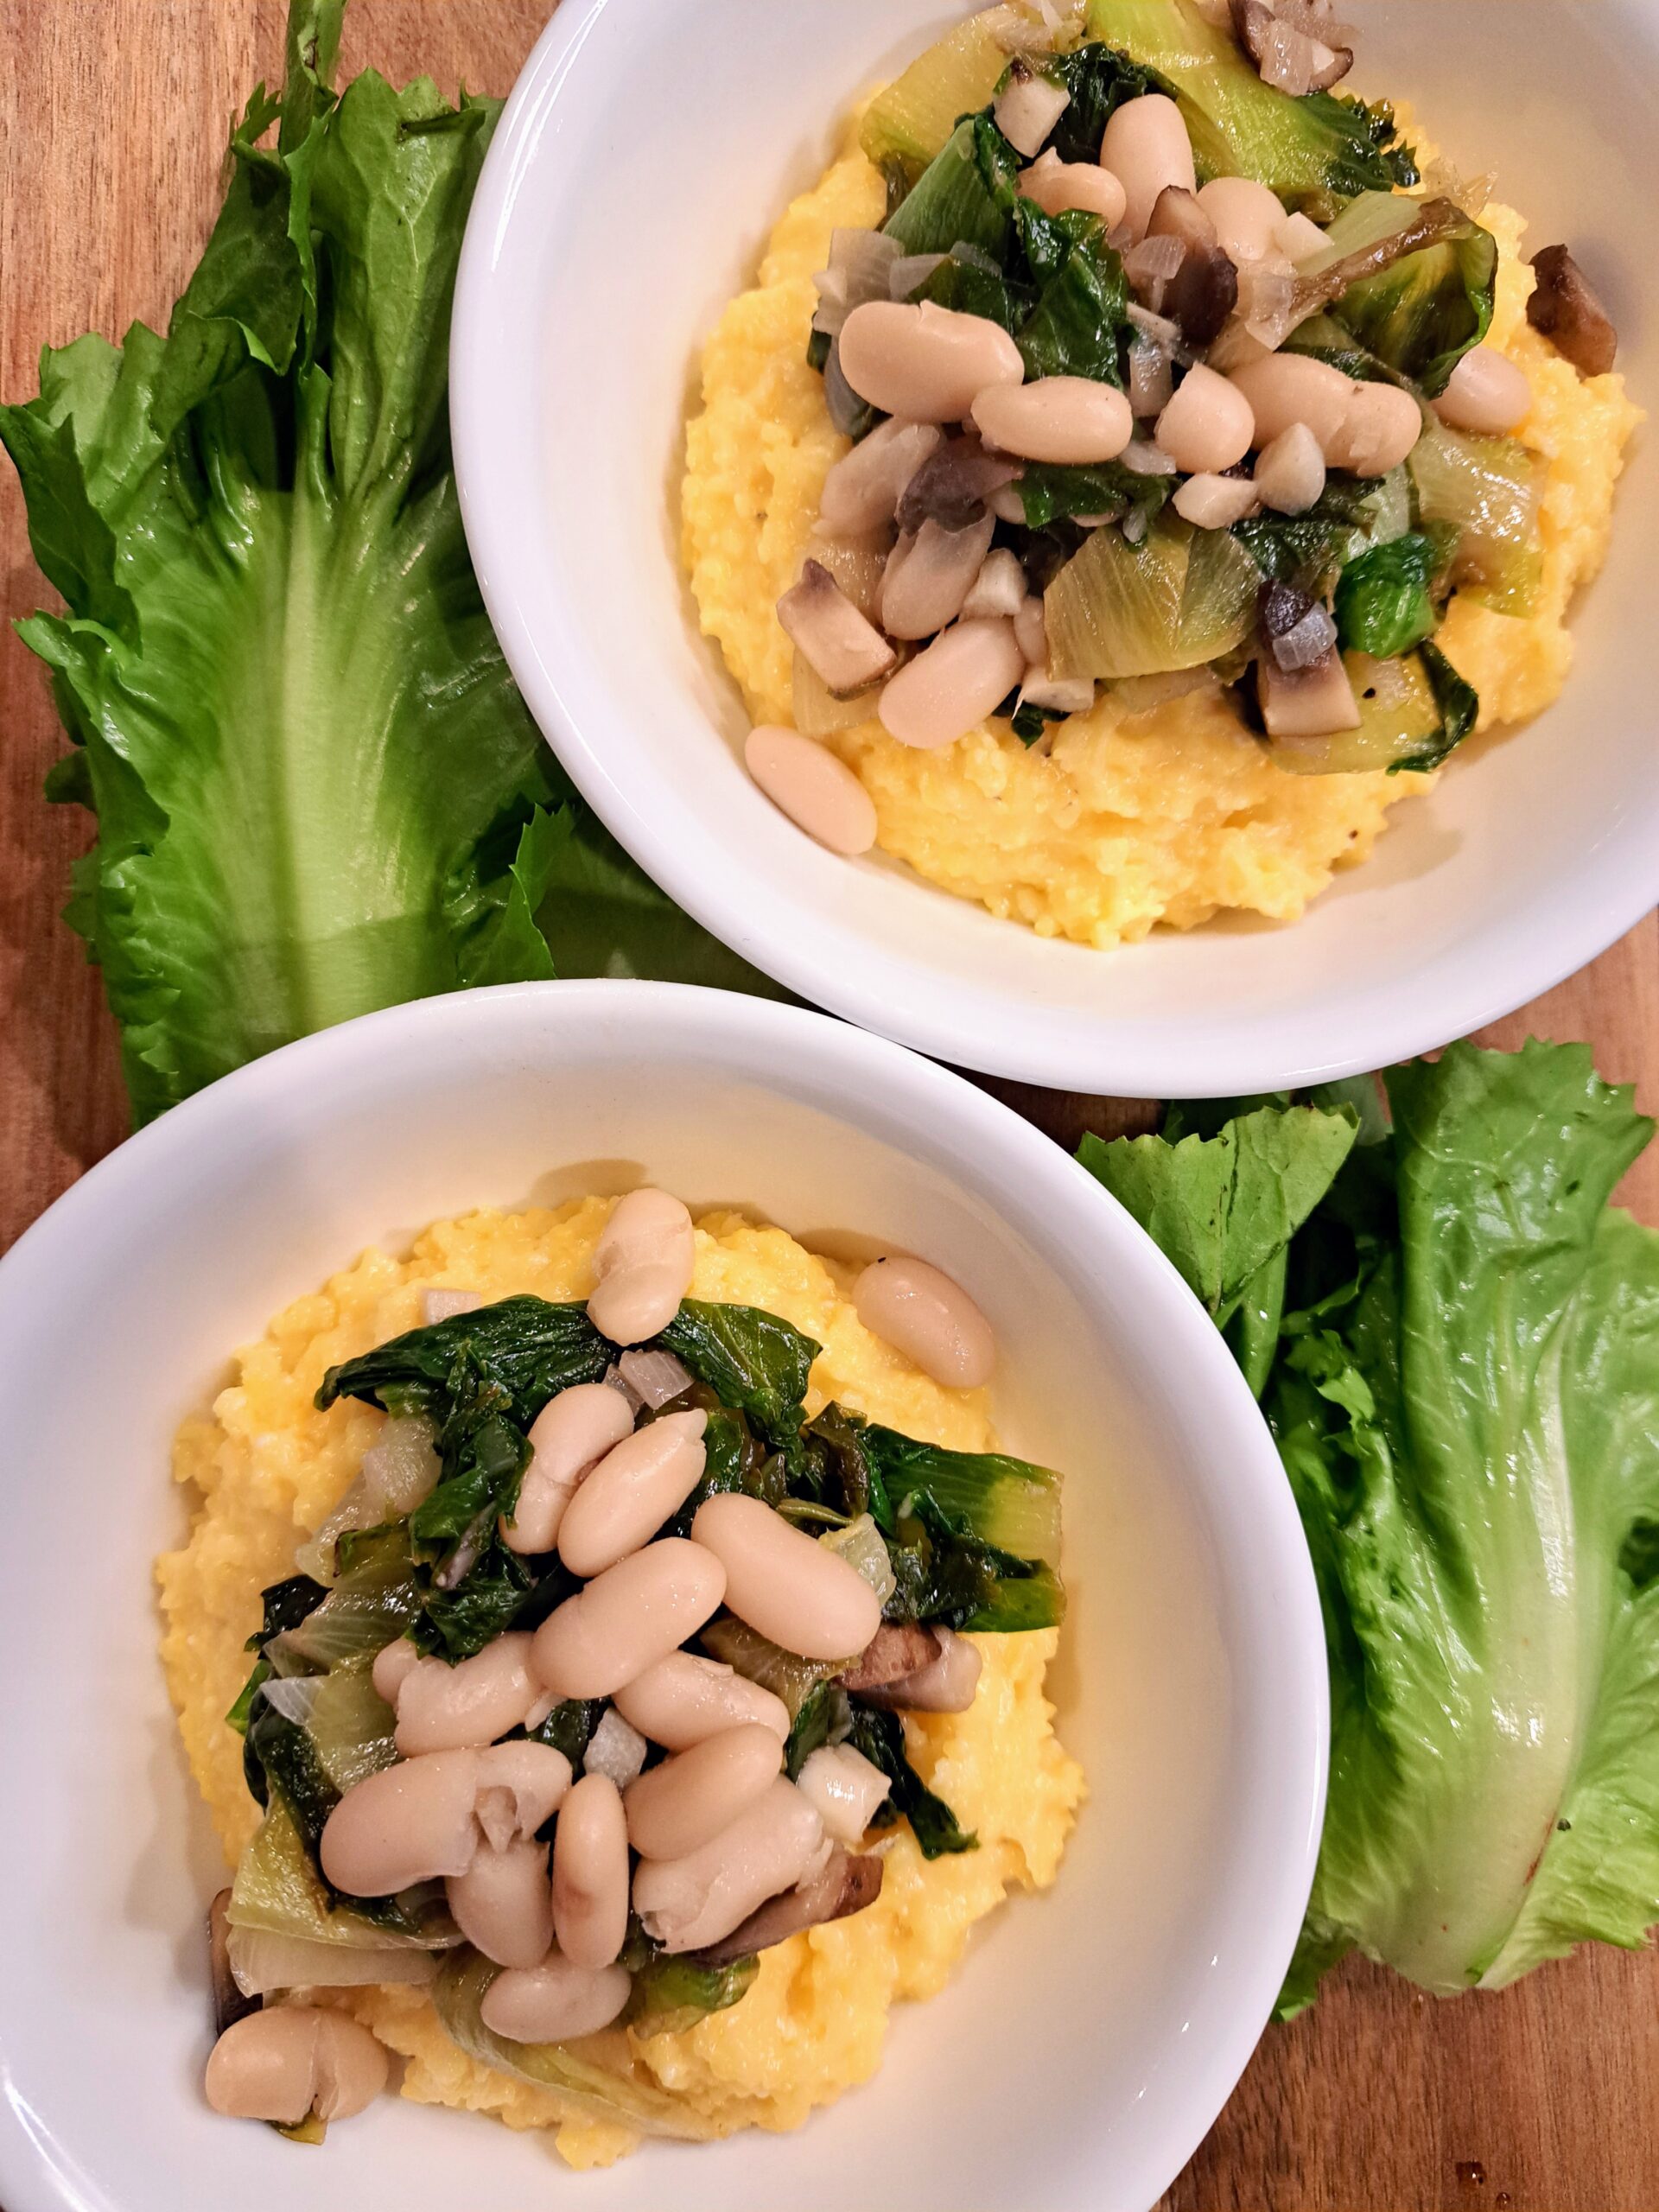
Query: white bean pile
x,y
695,1845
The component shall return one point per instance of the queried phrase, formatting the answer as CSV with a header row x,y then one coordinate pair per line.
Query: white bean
x,y
407,1823
819,793
643,1263
847,1789
1147,148
1057,187
1290,388
553,2002
590,1873
1207,425
952,685
786,1584
572,1432
1487,393
445,1708
1290,471
1216,502
683,1803
1380,428
1071,421
392,1663
687,1902
502,1904
285,2061
928,1319
1246,214
520,1786
924,362
628,1618
862,490
684,1698
634,1489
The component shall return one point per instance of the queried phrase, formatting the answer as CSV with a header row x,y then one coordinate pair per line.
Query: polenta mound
x,y
1168,815
264,1469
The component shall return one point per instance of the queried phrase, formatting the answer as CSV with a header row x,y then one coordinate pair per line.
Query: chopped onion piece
x,y
653,1377
616,1751
1028,108
909,273
1143,457
859,263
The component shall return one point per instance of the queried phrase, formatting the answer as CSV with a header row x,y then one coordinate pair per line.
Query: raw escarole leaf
x,y
1465,1388
317,790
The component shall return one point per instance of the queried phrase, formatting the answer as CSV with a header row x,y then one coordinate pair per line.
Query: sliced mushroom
x,y
1296,629
863,488
1566,310
1202,291
1297,48
1028,107
847,652
230,2004
896,1649
946,1684
930,575
850,1881
953,483
1312,703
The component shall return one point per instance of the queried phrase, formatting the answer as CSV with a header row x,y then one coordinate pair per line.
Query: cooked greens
x,y
880,1737
1459,1353
1421,316
1383,605
1314,152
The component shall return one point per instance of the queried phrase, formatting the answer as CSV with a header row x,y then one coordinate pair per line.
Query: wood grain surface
x,y
1545,2098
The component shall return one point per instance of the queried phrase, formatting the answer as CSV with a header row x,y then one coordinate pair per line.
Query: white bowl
x,y
1092,2035
647,150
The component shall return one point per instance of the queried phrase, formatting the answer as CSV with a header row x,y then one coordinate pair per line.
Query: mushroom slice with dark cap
x,y
1204,289
847,651
1295,45
850,1880
1566,311
897,1648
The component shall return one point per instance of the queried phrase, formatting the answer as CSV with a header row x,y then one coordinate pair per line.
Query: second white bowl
x,y
644,154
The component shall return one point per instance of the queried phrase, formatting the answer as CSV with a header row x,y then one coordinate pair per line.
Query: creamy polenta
x,y
1127,819
266,1467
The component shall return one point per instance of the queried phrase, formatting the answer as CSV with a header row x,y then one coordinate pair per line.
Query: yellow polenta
x,y
1132,819
263,1470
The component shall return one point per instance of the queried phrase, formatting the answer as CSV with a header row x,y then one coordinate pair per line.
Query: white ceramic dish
x,y
645,154
1092,2035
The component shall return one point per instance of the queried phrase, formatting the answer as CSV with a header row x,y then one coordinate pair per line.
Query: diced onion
x,y
653,1377
616,1751
909,273
859,264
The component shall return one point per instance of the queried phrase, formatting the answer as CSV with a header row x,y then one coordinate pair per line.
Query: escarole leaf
x,y
598,2077
1225,1208
317,790
1312,151
1179,598
1422,313
1464,1389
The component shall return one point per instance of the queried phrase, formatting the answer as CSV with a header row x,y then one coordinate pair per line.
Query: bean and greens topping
x,y
591,1689
1165,363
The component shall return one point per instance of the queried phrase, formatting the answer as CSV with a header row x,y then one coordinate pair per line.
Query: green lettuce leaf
x,y
317,790
1464,1389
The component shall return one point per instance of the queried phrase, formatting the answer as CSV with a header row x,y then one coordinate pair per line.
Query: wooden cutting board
x,y
1545,2098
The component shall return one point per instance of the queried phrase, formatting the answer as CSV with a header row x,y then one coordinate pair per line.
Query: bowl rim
x,y
1475,976
1032,1181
